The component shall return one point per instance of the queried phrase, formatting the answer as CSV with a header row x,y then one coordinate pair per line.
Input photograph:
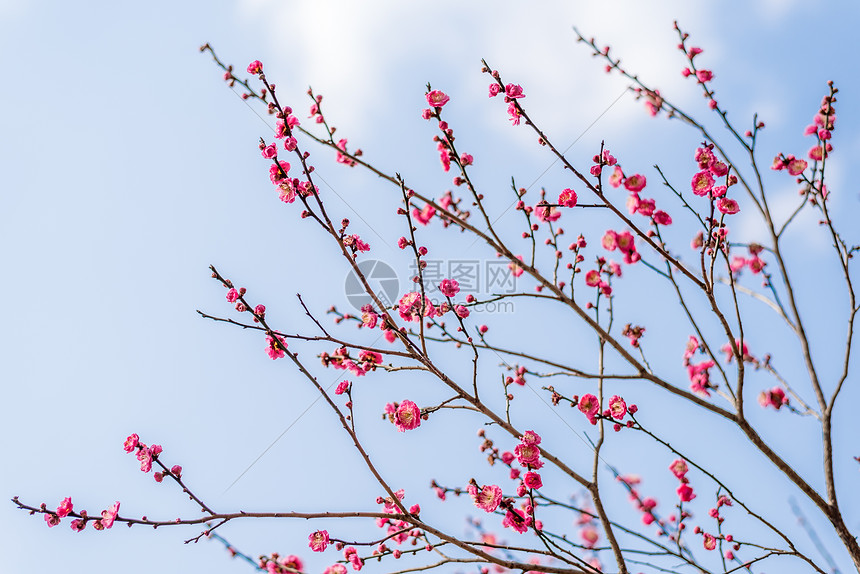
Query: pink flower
x,y
255,67
437,99
546,213
424,215
702,183
532,480
567,198
78,525
109,515
318,540
662,218
530,437
515,519
516,269
646,207
449,287
279,174
176,471
407,416
589,406
528,455
514,113
494,90
617,177
514,91
466,159
287,192
341,145
685,492
719,169
488,498
592,278
709,542
51,519
145,458
275,346
342,387
131,442
409,307
351,554
232,295
797,166
290,143
335,569
589,536
774,397
704,76
728,206
617,407
270,151
65,507
635,183
461,311
679,468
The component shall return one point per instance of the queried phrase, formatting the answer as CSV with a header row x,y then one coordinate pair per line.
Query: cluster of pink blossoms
x,y
608,268
276,564
645,505
634,184
703,182
624,243
589,405
512,93
755,263
367,361
679,468
398,530
699,373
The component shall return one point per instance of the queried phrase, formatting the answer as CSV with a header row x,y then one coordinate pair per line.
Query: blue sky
x,y
128,167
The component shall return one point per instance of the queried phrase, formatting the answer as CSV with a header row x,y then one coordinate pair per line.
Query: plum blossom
x,y
679,468
437,99
702,183
409,307
728,206
617,407
449,287
109,515
567,198
514,91
589,406
488,498
131,442
318,540
532,480
65,507
278,172
407,416
515,519
774,397
635,183
685,493
275,346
